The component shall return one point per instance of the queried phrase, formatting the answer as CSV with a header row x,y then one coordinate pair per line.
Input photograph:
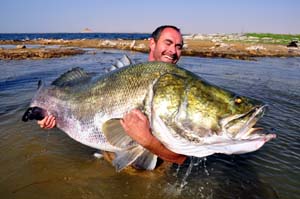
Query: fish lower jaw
x,y
219,144
253,134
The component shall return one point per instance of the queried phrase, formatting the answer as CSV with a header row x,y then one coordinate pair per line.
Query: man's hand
x,y
48,122
137,126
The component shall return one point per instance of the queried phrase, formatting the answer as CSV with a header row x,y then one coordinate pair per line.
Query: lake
x,y
38,163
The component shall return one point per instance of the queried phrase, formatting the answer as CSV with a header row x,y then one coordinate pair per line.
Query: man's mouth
x,y
172,58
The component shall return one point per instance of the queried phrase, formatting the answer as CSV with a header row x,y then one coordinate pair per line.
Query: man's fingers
x,y
51,120
139,114
53,123
123,124
40,122
48,122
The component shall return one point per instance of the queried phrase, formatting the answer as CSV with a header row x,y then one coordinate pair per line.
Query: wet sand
x,y
193,47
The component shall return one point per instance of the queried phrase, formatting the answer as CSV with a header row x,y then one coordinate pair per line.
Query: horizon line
x,y
143,33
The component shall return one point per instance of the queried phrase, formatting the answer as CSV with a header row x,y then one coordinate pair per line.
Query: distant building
x,y
86,30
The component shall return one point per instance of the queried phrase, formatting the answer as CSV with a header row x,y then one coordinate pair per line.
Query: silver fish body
x,y
187,114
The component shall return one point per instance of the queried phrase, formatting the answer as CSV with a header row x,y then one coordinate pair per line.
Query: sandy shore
x,y
192,47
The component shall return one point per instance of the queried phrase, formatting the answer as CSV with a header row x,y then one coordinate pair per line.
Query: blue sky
x,y
191,16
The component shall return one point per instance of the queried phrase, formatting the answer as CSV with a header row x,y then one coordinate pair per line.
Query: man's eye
x,y
179,47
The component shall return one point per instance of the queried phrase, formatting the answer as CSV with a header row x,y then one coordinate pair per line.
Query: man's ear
x,y
152,44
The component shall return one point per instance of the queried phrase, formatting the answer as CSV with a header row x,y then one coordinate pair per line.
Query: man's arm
x,y
137,126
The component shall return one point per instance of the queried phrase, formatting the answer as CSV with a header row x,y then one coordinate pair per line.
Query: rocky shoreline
x,y
194,46
37,53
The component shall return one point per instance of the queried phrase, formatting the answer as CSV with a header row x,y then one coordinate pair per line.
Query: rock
x,y
109,43
141,46
293,44
132,44
257,48
36,53
20,46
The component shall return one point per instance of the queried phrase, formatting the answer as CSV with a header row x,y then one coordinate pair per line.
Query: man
x,y
166,43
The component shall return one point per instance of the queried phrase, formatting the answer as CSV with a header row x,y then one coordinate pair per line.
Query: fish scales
x,y
187,114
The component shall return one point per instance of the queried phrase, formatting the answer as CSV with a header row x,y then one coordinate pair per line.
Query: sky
x,y
143,16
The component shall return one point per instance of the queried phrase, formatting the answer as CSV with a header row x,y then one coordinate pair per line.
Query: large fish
x,y
187,114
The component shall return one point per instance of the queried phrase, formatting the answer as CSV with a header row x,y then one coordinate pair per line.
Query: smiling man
x,y
166,44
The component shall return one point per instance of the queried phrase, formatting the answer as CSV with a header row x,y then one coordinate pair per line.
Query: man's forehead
x,y
170,33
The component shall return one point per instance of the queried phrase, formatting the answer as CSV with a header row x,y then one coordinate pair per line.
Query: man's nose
x,y
172,49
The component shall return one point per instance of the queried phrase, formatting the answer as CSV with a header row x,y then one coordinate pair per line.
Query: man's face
x,y
167,48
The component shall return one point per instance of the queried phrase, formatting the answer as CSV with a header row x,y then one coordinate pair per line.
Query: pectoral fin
x,y
136,156
146,161
133,154
127,157
115,134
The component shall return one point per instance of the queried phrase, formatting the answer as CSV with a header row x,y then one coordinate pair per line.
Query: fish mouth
x,y
242,126
34,113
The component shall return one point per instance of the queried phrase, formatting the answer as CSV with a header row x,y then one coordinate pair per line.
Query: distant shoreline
x,y
232,46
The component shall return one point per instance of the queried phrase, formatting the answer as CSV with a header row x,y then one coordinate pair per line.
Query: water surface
x,y
37,163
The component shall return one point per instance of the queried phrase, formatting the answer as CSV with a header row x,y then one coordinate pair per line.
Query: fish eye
x,y
238,100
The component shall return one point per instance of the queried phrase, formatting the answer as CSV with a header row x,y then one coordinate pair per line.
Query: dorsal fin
x,y
71,77
124,61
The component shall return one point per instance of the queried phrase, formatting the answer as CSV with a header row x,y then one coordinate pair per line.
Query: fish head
x,y
199,109
206,109
39,105
241,116
194,117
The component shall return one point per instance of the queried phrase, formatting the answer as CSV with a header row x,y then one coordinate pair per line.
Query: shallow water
x,y
37,163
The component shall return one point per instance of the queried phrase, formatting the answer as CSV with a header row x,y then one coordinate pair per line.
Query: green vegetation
x,y
274,38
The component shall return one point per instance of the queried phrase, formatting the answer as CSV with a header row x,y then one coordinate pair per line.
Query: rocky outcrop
x,y
37,53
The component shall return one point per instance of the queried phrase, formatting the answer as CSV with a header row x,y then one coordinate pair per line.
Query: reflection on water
x,y
36,163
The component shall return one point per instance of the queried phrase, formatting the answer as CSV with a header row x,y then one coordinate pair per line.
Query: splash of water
x,y
187,173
